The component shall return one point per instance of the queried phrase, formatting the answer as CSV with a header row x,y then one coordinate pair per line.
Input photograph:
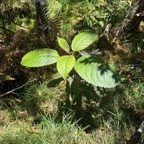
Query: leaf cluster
x,y
90,68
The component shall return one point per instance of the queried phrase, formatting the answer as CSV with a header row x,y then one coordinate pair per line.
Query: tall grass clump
x,y
46,132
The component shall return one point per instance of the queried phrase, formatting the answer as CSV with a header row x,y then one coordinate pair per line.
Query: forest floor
x,y
42,112
38,114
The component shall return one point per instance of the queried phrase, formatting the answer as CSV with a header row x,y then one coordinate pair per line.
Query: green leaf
x,y
63,44
96,72
83,40
65,65
101,23
40,57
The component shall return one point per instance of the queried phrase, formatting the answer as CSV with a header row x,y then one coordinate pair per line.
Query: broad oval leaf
x,y
83,40
65,65
40,57
96,72
63,44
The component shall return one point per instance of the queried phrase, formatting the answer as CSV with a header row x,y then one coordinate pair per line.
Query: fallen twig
x,y
17,88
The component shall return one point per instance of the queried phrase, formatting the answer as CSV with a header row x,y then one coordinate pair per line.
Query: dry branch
x,y
17,88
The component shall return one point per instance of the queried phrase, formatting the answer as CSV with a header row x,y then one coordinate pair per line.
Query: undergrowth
x,y
39,113
38,116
